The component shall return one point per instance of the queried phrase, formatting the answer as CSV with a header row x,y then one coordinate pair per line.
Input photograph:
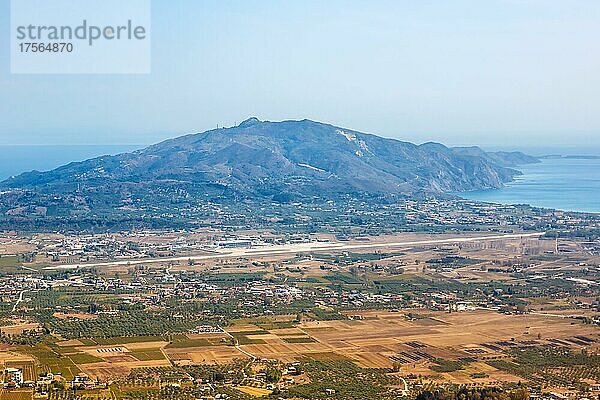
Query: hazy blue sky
x,y
459,72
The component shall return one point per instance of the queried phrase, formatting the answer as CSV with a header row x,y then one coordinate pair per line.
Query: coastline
x,y
566,183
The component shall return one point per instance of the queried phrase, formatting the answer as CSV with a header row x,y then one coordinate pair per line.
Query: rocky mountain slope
x,y
273,160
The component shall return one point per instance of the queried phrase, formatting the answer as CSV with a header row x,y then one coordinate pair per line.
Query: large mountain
x,y
260,159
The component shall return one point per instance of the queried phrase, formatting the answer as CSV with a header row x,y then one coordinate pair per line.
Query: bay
x,y
565,183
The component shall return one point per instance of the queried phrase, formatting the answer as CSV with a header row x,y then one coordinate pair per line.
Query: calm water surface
x,y
18,159
570,184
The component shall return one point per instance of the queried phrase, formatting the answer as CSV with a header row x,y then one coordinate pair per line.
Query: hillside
x,y
262,158
273,161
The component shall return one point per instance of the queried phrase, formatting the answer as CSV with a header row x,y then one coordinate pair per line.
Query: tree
x,y
93,308
273,375
519,394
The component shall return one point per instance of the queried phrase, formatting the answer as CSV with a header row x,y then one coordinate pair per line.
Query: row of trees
x,y
473,394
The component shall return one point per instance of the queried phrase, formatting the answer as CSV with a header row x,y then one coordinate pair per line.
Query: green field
x,y
148,354
182,341
84,358
51,361
242,337
306,339
9,265
127,339
8,261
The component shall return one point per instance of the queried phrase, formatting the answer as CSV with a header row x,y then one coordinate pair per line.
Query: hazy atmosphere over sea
x,y
459,73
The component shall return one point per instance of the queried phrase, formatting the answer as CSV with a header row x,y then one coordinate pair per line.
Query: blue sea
x,y
18,159
570,184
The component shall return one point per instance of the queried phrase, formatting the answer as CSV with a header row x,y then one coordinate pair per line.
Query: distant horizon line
x,y
157,137
491,147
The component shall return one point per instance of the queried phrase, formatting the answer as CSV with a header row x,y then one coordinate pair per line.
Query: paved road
x,y
237,345
19,300
564,316
303,248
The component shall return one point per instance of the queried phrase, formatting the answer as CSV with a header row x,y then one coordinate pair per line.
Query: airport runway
x,y
271,250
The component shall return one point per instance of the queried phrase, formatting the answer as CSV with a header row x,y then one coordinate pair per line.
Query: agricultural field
x,y
17,327
466,347
21,394
260,324
254,391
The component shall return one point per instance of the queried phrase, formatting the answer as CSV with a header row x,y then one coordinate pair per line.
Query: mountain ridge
x,y
279,161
